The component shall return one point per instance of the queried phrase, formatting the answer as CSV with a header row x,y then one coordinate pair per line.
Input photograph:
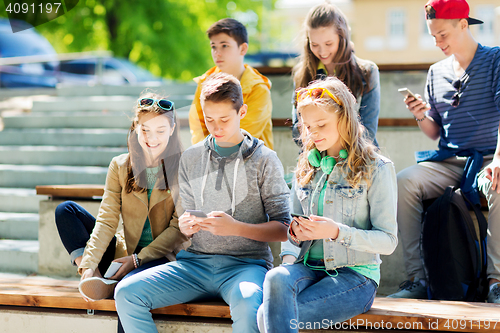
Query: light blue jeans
x,y
296,296
238,281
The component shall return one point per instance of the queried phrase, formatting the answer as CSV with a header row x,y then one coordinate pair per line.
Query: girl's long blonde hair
x,y
361,152
347,68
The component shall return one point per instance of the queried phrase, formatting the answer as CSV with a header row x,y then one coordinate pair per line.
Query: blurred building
x,y
394,31
284,26
384,31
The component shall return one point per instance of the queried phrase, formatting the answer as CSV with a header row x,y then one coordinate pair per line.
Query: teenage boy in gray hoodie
x,y
238,183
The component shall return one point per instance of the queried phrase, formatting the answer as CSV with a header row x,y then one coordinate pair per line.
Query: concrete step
x,y
19,226
50,155
167,89
29,176
107,137
22,200
98,103
25,92
20,256
68,120
87,103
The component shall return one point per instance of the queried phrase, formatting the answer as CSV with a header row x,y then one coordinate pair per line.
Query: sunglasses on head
x,y
315,93
455,99
164,104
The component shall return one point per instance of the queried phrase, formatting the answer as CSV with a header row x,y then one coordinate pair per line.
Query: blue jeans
x,y
296,296
238,281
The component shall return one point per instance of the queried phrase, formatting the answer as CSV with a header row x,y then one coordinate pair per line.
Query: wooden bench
x,y
386,313
83,191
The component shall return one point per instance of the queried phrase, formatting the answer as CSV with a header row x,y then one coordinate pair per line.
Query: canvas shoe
x,y
411,289
96,288
494,294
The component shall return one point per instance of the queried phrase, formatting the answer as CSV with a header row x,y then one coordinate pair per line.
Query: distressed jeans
x,y
297,297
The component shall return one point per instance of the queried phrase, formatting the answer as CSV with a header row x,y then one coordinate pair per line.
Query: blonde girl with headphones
x,y
346,193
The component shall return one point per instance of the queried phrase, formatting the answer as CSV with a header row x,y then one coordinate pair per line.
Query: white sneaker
x,y
494,294
410,289
96,288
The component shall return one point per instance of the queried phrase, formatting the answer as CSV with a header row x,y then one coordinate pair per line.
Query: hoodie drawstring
x,y
205,176
204,182
233,202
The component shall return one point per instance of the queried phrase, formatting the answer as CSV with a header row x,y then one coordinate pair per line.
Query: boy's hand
x,y
317,227
417,106
188,224
493,173
220,224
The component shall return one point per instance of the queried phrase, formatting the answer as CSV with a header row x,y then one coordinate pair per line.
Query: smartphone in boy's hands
x,y
197,213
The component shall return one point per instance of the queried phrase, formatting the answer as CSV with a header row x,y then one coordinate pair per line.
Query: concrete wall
x,y
391,105
41,320
53,259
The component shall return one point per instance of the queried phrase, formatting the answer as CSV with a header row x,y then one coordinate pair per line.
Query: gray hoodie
x,y
207,182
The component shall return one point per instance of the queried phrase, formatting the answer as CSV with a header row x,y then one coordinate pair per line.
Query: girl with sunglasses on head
x,y
141,187
347,194
328,51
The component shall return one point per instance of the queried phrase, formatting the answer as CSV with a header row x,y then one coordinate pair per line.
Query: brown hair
x,y
222,87
347,68
231,27
136,175
430,13
357,166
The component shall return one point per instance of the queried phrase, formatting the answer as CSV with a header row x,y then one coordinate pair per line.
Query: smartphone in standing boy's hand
x,y
407,93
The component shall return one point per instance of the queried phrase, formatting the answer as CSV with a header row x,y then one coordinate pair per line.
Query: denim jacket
x,y
366,216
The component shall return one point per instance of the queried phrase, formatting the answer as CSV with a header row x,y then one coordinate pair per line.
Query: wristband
x,y
419,120
135,260
292,235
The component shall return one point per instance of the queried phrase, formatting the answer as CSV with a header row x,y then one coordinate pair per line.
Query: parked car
x,y
26,43
29,42
115,71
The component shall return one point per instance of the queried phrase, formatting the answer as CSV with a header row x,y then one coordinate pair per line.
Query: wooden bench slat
x,y
64,294
71,191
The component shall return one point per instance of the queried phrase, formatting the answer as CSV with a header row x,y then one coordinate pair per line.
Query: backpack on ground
x,y
453,248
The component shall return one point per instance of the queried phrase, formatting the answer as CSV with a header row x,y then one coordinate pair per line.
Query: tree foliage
x,y
166,37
